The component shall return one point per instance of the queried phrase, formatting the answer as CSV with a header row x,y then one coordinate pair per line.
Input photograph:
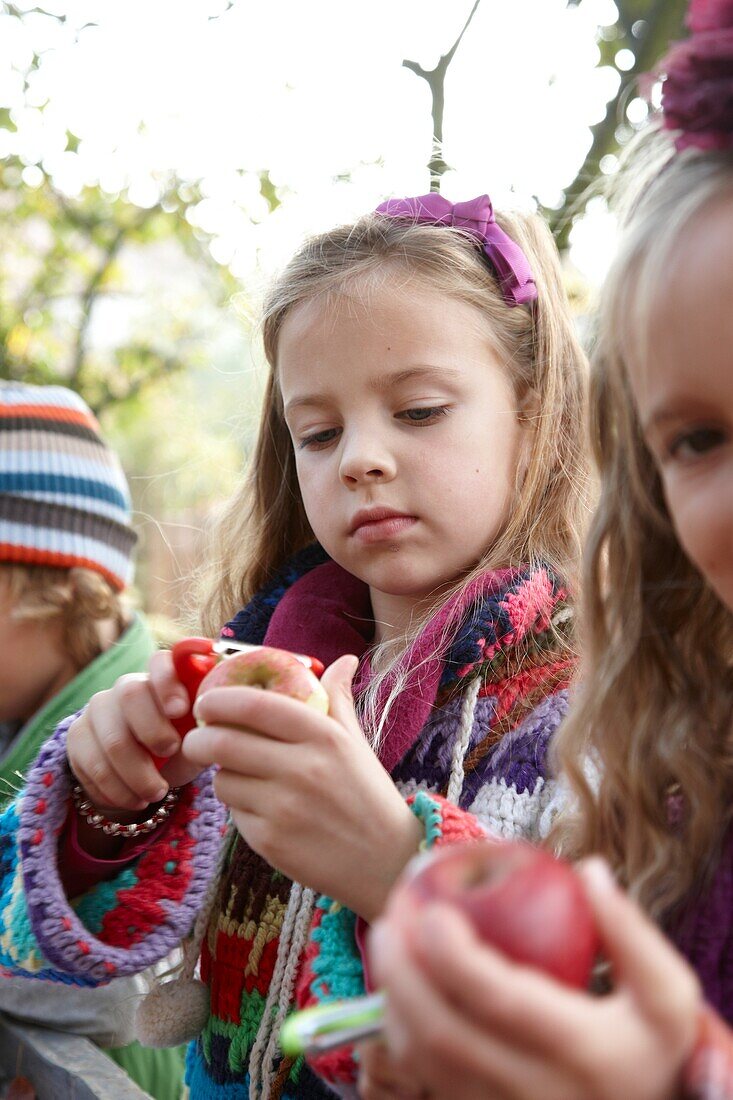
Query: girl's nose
x,y
362,464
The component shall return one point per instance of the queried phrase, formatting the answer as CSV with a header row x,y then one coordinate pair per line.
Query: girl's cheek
x,y
703,520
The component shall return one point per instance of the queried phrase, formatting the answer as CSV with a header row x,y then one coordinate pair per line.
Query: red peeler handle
x,y
192,659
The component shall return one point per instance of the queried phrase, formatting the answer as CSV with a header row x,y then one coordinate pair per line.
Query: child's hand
x,y
459,1011
109,745
380,1078
306,790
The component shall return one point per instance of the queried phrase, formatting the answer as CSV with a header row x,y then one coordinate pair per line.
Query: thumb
x,y
337,682
643,960
172,696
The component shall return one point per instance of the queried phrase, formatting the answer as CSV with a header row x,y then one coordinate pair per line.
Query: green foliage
x,y
70,261
62,258
268,191
645,28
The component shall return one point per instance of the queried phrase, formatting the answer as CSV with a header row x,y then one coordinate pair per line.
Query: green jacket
x,y
130,653
157,1072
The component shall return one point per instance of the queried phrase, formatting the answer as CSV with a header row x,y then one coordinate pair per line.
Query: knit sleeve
x,y
333,968
119,926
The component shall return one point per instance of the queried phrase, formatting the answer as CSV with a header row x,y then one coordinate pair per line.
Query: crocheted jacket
x,y
505,654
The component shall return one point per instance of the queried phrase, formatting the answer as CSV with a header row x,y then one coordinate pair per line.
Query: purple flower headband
x,y
697,95
477,218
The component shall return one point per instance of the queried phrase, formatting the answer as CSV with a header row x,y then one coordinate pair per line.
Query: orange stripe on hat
x,y
29,555
50,412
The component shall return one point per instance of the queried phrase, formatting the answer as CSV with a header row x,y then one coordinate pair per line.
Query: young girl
x,y
648,745
416,502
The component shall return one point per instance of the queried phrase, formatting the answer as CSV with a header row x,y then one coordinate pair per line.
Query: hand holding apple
x,y
271,670
458,1010
304,786
519,899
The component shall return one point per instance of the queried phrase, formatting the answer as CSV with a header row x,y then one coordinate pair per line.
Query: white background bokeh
x,y
316,94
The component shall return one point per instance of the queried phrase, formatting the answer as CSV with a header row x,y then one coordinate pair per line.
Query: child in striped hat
x,y
66,543
64,500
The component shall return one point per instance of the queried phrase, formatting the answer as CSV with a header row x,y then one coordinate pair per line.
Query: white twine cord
x,y
300,938
463,737
264,1031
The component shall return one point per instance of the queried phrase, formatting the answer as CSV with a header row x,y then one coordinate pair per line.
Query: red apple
x,y
270,669
519,899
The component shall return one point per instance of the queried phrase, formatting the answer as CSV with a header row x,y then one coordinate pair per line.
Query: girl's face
x,y
405,431
684,396
34,665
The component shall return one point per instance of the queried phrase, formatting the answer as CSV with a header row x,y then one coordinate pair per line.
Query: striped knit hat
x,y
64,499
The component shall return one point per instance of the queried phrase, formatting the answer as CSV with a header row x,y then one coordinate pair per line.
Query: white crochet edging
x,y
506,812
410,787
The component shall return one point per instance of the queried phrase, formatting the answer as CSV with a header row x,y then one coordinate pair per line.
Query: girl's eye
x,y
424,416
696,443
319,439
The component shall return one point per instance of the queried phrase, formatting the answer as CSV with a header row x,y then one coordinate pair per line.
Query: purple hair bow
x,y
477,218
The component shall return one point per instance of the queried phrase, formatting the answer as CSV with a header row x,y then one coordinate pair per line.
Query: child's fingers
x,y
440,1044
143,717
643,960
379,1076
172,696
264,712
530,1009
242,792
337,682
92,769
236,750
116,724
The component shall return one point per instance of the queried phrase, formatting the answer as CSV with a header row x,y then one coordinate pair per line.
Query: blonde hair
x,y
265,523
647,745
79,598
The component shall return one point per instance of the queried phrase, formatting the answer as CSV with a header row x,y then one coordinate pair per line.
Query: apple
x,y
519,899
270,669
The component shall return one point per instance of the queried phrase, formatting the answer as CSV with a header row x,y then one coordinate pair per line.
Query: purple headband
x,y
477,218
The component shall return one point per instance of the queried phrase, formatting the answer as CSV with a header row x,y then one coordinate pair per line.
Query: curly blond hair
x,y
80,599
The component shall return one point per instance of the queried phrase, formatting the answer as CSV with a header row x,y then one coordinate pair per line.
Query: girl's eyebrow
x,y
674,410
418,372
383,382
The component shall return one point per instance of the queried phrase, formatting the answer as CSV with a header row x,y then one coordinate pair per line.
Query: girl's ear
x,y
528,409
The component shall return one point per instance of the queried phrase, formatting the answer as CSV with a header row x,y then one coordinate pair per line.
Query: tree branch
x,y
435,79
91,292
166,365
663,22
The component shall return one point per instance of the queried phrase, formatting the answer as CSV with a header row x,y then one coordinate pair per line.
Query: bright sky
x,y
313,91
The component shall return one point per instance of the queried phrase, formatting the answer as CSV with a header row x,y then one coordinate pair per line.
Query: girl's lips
x,y
381,530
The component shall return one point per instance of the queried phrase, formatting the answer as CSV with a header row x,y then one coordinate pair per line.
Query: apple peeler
x,y
194,657
323,1028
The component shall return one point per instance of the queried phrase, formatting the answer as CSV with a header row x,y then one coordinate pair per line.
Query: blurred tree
x,y
632,45
66,258
435,79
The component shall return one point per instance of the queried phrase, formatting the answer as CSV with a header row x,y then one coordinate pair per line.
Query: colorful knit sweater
x,y
505,654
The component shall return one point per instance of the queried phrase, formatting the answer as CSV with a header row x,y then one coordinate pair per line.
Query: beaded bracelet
x,y
92,816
